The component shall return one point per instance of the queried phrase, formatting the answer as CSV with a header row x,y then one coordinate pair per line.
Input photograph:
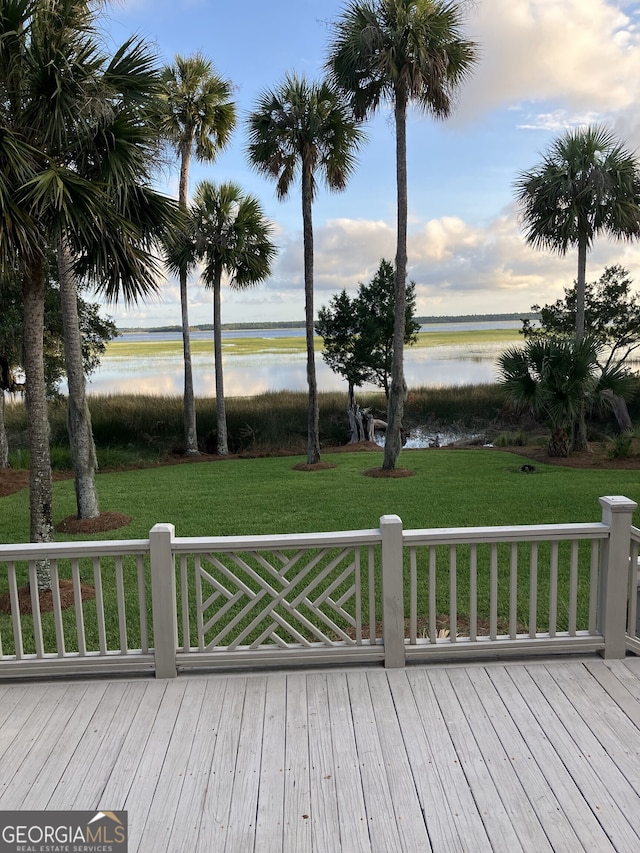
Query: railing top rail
x,y
68,550
635,534
519,533
269,542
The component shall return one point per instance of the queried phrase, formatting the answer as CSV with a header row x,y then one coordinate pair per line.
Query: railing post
x,y
163,598
392,592
617,514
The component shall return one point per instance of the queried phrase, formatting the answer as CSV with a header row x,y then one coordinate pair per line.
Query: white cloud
x,y
583,52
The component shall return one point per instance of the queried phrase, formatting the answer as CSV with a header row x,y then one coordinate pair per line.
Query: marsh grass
x,y
256,345
133,429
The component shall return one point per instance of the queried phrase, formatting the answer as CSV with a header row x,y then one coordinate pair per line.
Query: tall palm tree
x,y
304,128
555,377
400,52
198,116
227,233
52,105
587,184
119,156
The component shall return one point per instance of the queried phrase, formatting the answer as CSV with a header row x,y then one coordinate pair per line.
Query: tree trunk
x,y
579,441
580,287
189,400
397,391
222,447
580,427
4,443
83,450
40,491
313,429
361,421
559,444
619,408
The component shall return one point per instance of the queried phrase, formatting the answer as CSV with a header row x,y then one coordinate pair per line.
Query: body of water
x,y
246,376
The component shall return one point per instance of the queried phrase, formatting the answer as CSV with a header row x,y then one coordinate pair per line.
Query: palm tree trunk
x,y
313,430
580,427
4,443
40,491
580,287
189,400
221,414
397,391
83,450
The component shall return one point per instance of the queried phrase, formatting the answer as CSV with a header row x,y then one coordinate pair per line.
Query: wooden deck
x,y
531,757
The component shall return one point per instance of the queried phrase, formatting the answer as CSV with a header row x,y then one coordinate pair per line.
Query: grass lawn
x,y
255,496
252,496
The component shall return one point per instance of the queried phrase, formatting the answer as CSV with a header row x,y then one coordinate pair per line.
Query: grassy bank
x,y
257,345
129,428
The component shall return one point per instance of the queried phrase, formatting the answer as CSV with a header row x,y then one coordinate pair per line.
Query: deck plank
x,y
140,797
325,824
352,812
138,739
217,802
580,753
241,827
172,772
381,817
270,816
503,756
23,735
616,689
524,818
534,732
51,760
544,800
89,768
467,755
410,819
617,734
626,675
297,789
188,814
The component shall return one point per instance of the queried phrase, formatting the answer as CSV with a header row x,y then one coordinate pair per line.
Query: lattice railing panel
x,y
301,597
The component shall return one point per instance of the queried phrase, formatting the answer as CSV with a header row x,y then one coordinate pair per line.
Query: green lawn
x,y
253,496
258,496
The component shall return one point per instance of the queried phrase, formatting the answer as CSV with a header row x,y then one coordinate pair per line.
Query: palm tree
x,y
119,157
400,52
198,115
304,128
227,233
587,184
55,96
555,378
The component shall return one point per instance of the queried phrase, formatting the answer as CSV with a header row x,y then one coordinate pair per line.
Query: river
x,y
246,375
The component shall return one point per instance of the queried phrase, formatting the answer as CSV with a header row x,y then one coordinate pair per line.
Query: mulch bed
x,y
67,598
388,473
104,521
316,466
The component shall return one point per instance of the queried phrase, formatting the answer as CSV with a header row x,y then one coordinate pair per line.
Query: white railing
x,y
167,604
633,594
106,628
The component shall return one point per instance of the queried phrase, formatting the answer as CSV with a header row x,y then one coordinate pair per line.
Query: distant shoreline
x,y
299,324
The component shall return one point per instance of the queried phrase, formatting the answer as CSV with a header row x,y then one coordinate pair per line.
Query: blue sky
x,y
545,66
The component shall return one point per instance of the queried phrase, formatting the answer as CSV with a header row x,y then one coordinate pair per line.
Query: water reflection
x,y
246,376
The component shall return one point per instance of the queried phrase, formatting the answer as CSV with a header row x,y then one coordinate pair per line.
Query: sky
x,y
545,66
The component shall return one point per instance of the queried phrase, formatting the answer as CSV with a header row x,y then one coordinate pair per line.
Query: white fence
x,y
168,604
